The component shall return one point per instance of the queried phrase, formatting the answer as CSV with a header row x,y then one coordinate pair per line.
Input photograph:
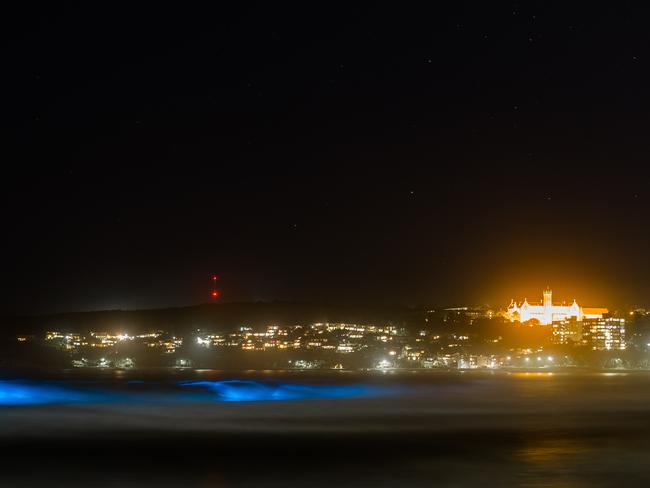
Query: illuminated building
x,y
567,331
546,312
604,334
476,361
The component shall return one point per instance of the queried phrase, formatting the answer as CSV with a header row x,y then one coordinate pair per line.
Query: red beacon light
x,y
215,293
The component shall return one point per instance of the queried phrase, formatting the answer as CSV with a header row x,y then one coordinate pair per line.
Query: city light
x,y
329,345
384,364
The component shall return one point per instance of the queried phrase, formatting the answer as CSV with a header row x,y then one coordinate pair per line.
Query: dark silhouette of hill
x,y
217,317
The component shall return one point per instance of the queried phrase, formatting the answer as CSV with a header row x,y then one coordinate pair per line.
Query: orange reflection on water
x,y
531,374
557,461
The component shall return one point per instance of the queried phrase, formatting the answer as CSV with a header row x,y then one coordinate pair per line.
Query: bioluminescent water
x,y
407,430
30,393
253,391
16,392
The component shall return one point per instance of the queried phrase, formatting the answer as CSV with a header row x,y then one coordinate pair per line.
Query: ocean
x,y
317,429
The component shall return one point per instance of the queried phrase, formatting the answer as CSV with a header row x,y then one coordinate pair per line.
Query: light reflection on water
x,y
532,374
559,459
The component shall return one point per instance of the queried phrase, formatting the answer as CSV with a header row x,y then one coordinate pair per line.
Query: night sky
x,y
467,153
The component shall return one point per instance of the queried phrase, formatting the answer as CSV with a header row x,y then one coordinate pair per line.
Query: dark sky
x,y
463,153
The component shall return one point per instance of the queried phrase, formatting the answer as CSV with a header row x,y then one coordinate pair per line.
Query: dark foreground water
x,y
274,429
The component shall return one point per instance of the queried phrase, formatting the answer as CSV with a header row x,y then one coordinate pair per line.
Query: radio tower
x,y
214,293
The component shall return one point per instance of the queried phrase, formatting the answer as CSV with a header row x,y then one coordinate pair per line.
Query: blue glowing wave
x,y
16,392
255,391
27,393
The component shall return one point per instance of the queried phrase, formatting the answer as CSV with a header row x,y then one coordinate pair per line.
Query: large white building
x,y
546,312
